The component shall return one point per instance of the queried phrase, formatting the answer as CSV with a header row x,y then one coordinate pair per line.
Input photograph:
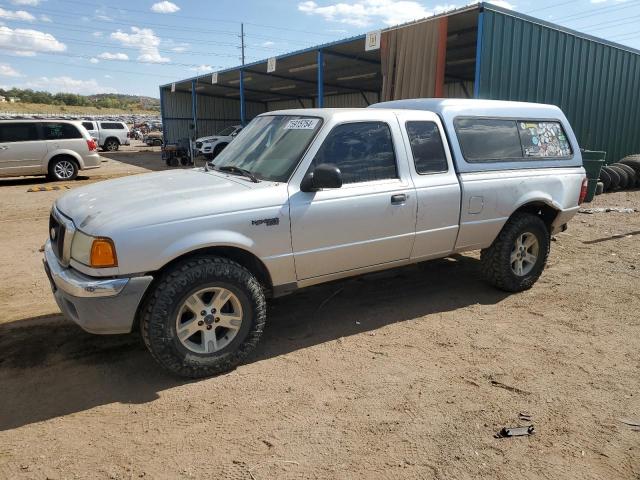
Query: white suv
x,y
212,145
109,135
58,149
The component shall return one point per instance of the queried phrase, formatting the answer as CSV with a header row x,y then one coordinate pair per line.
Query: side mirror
x,y
324,176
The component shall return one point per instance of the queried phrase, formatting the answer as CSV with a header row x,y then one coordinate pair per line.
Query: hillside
x,y
44,109
64,101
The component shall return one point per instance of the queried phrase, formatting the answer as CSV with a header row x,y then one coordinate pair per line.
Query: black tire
x,y
160,311
111,145
624,178
613,175
157,142
605,179
631,174
496,260
217,149
635,164
599,188
62,169
634,158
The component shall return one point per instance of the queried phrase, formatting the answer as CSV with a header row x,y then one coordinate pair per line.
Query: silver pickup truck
x,y
302,197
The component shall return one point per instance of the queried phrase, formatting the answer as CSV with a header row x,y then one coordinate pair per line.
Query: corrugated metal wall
x,y
596,85
409,61
345,100
458,90
214,113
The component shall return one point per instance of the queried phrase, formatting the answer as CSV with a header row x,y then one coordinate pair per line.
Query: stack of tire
x,y
622,175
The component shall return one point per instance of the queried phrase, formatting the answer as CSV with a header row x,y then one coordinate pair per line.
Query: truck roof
x,y
446,107
474,107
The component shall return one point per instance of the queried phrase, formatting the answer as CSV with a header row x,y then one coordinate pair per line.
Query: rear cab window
x,y
508,140
88,125
111,126
426,147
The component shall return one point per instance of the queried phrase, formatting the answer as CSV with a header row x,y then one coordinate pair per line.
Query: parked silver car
x,y
303,197
58,148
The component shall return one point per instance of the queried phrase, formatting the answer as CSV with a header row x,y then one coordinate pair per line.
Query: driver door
x,y
371,219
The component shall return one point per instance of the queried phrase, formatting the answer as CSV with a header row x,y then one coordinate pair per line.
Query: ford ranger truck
x,y
303,197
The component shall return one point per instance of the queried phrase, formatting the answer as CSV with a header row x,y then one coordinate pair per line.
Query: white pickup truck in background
x,y
109,134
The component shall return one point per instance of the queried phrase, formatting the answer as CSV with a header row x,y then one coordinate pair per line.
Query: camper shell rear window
x,y
507,140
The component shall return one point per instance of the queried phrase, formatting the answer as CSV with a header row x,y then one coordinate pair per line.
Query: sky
x,y
131,47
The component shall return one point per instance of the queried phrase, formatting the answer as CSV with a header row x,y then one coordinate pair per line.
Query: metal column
x,y
194,108
163,115
476,82
320,102
242,106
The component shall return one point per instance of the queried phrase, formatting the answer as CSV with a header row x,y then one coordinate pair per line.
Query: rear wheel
x,y
111,145
204,317
517,257
63,168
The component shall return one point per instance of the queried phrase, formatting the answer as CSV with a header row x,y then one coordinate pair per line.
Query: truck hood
x,y
153,198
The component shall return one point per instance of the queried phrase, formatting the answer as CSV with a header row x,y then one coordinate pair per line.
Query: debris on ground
x,y
591,211
633,423
515,432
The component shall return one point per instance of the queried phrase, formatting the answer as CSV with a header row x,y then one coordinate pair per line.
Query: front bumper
x,y
103,306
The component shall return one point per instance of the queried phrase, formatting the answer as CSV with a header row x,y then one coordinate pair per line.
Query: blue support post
x,y
194,108
476,82
242,106
320,102
163,116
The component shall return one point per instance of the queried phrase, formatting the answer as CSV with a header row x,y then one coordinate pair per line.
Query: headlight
x,y
96,252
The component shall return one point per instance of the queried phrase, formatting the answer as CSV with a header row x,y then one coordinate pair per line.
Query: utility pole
x,y
242,106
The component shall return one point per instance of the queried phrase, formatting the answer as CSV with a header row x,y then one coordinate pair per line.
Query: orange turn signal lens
x,y
103,253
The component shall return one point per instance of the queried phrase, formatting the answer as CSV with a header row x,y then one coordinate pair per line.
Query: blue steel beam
x,y
320,103
242,106
194,107
476,83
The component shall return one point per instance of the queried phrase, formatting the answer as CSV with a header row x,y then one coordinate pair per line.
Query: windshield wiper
x,y
238,170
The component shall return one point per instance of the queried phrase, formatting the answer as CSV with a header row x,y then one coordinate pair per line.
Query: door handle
x,y
4,147
398,199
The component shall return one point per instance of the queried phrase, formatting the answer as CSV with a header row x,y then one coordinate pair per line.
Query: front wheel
x,y
203,317
516,259
63,168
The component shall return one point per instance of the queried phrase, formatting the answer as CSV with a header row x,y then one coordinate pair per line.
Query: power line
x,y
110,70
122,47
142,62
207,19
165,26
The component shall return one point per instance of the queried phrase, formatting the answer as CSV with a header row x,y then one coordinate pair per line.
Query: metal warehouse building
x,y
482,51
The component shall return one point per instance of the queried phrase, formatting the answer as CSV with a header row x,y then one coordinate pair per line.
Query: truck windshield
x,y
270,147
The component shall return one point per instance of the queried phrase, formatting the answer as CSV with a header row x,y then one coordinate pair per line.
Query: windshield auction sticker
x,y
302,124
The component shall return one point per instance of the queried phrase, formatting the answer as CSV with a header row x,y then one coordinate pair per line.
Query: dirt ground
x,y
403,374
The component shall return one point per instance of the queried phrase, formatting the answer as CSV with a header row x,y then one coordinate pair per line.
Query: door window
x,y
111,126
426,147
60,131
363,152
18,132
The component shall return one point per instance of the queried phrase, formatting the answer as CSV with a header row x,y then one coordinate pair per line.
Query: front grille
x,y
56,235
